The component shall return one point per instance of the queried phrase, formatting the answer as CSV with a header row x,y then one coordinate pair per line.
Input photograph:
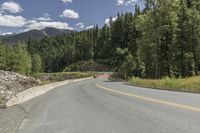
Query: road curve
x,y
102,106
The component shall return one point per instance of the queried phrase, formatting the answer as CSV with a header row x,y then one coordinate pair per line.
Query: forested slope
x,y
163,39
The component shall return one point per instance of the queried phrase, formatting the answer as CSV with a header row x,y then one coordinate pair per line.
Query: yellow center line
x,y
182,106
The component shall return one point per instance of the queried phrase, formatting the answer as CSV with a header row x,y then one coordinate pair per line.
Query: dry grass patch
x,y
191,84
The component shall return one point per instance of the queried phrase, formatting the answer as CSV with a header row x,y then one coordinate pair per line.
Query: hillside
x,y
33,35
53,31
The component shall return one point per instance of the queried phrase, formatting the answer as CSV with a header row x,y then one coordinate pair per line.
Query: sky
x,y
22,15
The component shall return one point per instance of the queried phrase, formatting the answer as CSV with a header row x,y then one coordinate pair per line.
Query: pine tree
x,y
36,63
21,60
182,45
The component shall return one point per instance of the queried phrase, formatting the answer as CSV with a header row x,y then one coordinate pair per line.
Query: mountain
x,y
53,31
34,35
1,38
22,37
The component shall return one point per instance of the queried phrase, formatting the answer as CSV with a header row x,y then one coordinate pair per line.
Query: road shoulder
x,y
11,119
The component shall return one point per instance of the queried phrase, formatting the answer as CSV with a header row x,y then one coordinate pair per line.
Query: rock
x,y
12,83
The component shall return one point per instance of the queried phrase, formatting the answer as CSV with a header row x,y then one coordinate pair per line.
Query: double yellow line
x,y
181,106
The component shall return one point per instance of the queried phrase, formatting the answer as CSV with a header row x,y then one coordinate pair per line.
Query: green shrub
x,y
84,66
2,99
51,77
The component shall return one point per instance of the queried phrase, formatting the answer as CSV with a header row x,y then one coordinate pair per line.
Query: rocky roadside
x,y
12,83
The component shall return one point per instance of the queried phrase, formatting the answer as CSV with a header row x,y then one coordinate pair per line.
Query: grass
x,y
2,99
53,77
191,84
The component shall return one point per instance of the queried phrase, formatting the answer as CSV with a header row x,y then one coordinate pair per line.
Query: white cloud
x,y
89,27
108,20
120,2
7,33
41,25
11,7
29,24
68,13
80,25
45,21
12,21
45,17
126,2
67,1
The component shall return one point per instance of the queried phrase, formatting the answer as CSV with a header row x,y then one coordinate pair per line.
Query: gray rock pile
x,y
12,83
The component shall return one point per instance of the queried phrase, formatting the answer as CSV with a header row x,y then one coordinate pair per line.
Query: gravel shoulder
x,y
11,119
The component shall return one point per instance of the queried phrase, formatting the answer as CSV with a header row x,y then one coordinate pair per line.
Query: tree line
x,y
16,58
163,39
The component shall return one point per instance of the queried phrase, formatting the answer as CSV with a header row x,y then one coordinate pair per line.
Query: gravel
x,y
12,83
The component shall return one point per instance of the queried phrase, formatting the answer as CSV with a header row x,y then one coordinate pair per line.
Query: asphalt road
x,y
102,106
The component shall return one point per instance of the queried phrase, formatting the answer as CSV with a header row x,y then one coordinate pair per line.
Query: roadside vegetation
x,y
191,84
2,99
53,77
84,66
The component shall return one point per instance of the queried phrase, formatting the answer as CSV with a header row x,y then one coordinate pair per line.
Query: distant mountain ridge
x,y
33,35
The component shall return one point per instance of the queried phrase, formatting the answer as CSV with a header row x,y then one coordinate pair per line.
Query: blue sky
x,y
22,15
